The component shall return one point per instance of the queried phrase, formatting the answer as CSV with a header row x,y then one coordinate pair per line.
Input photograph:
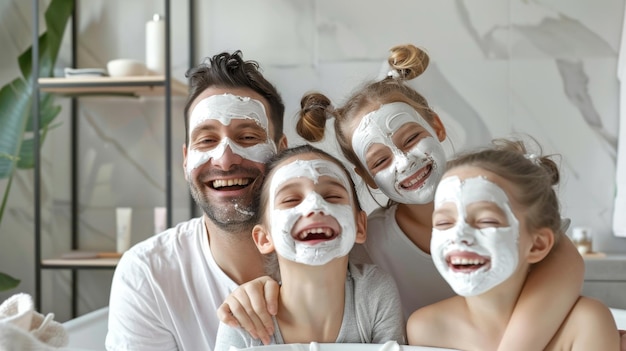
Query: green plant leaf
x,y
48,111
16,97
56,18
16,117
7,282
15,101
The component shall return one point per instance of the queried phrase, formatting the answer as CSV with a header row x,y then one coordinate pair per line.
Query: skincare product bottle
x,y
123,219
155,45
160,219
582,238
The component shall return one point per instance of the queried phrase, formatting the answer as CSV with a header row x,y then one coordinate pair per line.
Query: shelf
x,y
77,87
134,86
85,263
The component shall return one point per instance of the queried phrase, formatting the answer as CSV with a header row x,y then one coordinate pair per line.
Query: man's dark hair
x,y
227,70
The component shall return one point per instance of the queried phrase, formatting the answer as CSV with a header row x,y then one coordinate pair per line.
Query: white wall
x,y
544,67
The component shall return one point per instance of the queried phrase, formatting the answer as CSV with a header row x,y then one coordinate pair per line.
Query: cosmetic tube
x,y
160,219
123,219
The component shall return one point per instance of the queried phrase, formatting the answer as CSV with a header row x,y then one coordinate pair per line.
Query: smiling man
x,y
166,289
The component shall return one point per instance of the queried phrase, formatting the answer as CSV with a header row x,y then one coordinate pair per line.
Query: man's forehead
x,y
241,92
215,125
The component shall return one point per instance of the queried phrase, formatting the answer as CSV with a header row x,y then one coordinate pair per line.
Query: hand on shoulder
x,y
251,307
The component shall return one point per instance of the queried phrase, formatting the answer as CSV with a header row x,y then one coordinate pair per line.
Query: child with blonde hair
x,y
496,217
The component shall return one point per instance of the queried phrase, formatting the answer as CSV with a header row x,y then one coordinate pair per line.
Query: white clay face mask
x,y
474,260
426,159
225,108
283,220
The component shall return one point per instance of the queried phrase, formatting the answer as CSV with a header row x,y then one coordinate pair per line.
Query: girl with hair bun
x,y
309,219
388,131
496,216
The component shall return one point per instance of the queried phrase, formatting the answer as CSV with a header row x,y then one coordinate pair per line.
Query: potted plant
x,y
16,119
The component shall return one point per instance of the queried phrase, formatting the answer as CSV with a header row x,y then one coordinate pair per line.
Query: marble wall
x,y
543,67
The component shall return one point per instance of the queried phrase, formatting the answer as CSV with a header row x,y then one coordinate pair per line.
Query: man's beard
x,y
238,215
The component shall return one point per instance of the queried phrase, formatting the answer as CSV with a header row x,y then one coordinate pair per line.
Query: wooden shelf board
x,y
594,255
135,86
85,262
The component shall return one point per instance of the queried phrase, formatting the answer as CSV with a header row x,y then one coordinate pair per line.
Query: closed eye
x,y
335,198
489,222
379,162
443,225
444,217
377,158
442,222
333,191
410,141
288,201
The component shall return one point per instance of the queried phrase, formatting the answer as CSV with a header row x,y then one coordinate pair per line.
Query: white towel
x,y
22,328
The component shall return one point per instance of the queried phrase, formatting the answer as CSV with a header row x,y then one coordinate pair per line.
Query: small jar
x,y
582,238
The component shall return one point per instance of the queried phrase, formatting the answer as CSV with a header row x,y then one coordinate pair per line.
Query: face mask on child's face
x,y
225,108
283,220
398,181
474,260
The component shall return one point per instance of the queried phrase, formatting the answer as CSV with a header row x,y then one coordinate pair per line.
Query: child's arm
x,y
553,285
251,307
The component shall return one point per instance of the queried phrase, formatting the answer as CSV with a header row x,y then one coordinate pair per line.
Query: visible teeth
x,y
230,182
326,231
466,261
416,179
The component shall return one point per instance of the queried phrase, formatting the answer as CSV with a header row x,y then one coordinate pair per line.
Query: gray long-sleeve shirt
x,y
372,313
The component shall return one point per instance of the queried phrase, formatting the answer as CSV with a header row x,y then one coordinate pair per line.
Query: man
x,y
166,289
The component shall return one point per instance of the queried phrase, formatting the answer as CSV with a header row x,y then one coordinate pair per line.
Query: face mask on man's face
x,y
226,108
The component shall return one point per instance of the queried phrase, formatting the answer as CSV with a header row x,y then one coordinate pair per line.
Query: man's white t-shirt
x,y
166,291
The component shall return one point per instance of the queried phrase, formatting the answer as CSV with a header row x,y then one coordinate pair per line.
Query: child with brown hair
x,y
310,219
496,216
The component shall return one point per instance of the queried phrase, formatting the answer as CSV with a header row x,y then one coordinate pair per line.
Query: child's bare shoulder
x,y
587,309
589,326
430,324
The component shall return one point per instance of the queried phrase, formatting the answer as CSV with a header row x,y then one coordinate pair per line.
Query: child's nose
x,y
314,204
314,212
464,236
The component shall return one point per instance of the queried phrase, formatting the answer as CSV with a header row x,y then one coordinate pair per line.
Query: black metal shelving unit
x,y
162,86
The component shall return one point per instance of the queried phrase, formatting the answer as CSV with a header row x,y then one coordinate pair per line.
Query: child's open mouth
x,y
316,234
417,180
467,262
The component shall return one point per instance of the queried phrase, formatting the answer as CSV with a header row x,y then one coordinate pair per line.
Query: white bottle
x,y
123,220
155,45
160,219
